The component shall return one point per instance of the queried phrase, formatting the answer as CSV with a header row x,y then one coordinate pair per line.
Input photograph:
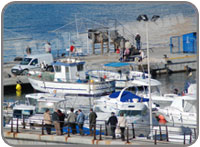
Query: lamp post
x,y
146,20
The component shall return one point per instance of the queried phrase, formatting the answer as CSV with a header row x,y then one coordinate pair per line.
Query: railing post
x,y
17,129
155,137
127,134
195,135
133,129
160,132
24,125
94,131
42,127
11,125
167,137
184,138
106,134
68,131
100,138
190,137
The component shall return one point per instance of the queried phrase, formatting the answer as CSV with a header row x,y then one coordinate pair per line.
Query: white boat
x,y
181,111
122,76
21,113
44,101
68,78
134,107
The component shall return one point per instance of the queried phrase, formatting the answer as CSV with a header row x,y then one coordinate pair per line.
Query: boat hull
x,y
73,88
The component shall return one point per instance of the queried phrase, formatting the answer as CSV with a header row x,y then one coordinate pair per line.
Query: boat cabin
x,y
69,70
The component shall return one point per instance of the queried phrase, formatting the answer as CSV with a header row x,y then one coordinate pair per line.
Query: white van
x,y
30,62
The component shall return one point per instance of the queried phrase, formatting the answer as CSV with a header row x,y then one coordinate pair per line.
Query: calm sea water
x,y
32,24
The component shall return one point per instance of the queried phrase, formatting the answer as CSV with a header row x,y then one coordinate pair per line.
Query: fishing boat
x,y
123,73
68,77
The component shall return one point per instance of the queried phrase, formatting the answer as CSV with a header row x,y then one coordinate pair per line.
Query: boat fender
x,y
18,87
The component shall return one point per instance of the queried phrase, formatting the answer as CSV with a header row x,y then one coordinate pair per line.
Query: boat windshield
x,y
22,113
25,61
130,112
42,106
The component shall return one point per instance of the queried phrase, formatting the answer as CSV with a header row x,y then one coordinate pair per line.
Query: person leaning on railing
x,y
47,121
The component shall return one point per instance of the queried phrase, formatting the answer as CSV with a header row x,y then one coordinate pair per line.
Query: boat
x,y
135,108
181,111
122,76
21,113
68,77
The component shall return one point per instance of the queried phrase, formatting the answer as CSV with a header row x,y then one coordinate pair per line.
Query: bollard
x,y
160,132
195,135
155,137
190,137
133,130
127,134
42,127
184,138
106,134
17,128
68,131
11,125
94,131
100,138
167,137
24,125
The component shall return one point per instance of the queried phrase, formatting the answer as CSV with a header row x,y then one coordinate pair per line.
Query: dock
x,y
33,138
161,62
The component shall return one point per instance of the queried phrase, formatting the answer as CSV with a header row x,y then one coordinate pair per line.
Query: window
x,y
66,69
26,61
80,67
57,68
34,62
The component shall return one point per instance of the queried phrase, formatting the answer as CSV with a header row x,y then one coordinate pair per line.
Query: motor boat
x,y
134,108
122,76
181,111
67,76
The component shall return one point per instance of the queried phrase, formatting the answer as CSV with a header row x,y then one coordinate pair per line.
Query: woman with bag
x,y
122,123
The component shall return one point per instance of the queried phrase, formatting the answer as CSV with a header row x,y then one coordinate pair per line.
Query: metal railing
x,y
159,133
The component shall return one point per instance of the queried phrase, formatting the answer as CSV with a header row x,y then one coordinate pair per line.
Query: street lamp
x,y
144,18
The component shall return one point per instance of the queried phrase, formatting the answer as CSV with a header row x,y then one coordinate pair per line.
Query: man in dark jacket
x,y
113,122
55,119
92,120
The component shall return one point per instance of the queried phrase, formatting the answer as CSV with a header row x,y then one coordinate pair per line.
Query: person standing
x,y
113,122
80,121
71,120
47,47
122,123
137,39
62,119
47,121
92,120
55,119
28,50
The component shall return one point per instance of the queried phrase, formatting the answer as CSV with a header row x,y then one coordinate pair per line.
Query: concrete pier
x,y
29,138
161,61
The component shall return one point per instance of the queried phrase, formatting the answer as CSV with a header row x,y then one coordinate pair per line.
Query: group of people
x,y
117,125
47,48
73,119
130,49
